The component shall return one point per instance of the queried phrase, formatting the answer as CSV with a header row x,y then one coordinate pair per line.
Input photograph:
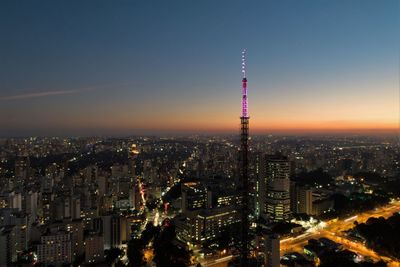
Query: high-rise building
x,y
207,224
14,234
272,251
301,199
94,248
275,188
309,200
90,174
75,207
194,196
22,231
114,230
102,185
75,227
256,185
124,185
8,253
22,165
30,204
55,248
46,200
135,198
15,200
305,197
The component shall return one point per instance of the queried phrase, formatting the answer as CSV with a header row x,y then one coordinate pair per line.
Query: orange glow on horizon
x,y
232,126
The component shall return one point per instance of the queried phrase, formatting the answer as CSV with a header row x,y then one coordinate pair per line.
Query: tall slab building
x,y
275,188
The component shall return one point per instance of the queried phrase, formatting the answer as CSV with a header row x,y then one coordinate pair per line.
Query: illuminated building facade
x,y
205,225
194,196
94,248
55,248
275,188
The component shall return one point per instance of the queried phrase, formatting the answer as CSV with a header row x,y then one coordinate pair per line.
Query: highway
x,y
334,230
220,262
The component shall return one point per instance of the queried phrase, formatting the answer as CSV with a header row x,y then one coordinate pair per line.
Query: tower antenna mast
x,y
244,181
244,86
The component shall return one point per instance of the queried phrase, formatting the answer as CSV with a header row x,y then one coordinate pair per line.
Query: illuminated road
x,y
218,262
156,218
334,230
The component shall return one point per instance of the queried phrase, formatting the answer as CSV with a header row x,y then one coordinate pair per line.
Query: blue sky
x,y
120,67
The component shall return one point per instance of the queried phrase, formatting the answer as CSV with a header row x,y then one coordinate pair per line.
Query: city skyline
x,y
206,133
155,68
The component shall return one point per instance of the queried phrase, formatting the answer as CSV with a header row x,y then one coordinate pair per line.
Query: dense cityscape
x,y
173,201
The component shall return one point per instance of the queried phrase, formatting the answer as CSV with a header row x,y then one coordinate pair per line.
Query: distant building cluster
x,y
72,200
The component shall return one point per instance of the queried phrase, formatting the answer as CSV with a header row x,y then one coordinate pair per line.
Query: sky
x,y
130,67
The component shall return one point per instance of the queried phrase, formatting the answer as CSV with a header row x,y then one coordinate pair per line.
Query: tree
x,y
312,178
166,253
135,253
149,233
112,254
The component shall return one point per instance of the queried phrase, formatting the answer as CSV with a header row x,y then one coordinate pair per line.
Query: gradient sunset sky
x,y
133,67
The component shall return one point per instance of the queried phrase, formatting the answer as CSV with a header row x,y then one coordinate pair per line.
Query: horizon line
x,y
187,132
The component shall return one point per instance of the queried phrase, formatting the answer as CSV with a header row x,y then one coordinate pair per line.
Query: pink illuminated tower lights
x,y
244,181
244,86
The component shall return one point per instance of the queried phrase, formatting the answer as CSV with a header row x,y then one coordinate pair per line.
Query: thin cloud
x,y
44,94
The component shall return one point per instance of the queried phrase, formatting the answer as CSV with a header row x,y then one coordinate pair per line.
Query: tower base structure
x,y
244,188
